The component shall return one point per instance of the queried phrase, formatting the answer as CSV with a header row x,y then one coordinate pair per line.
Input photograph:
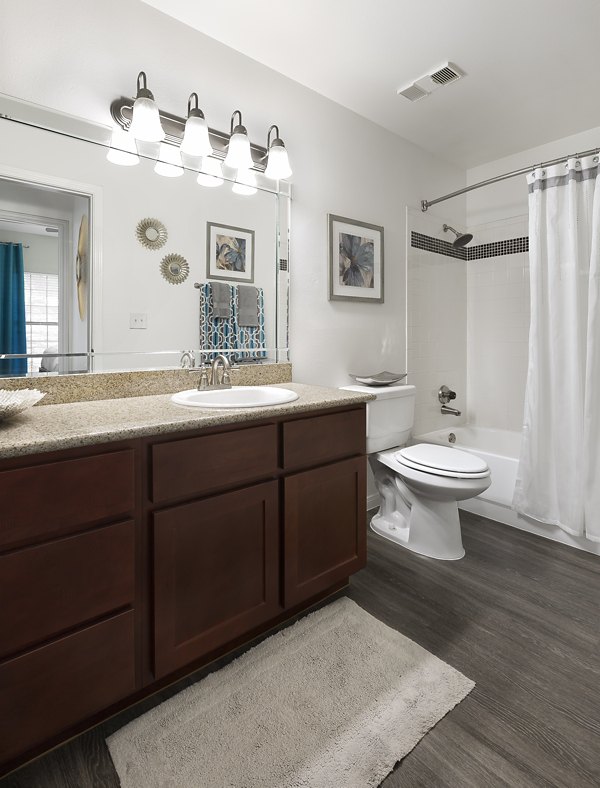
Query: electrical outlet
x,y
138,320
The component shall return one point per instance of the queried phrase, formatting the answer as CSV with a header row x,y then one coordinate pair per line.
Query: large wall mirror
x,y
107,267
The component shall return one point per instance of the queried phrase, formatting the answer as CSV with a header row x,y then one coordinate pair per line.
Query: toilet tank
x,y
390,417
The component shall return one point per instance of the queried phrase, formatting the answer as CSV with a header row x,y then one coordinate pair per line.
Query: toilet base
x,y
422,524
434,535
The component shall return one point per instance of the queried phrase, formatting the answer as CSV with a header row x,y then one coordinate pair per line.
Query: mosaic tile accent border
x,y
477,252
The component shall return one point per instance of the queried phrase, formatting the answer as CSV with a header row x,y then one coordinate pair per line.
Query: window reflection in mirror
x,y
44,279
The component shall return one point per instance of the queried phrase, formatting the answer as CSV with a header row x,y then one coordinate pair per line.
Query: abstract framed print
x,y
229,253
355,260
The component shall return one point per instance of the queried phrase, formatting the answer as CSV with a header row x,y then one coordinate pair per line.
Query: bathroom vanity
x,y
142,541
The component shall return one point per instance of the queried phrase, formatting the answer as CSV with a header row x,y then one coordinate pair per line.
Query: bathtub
x,y
499,448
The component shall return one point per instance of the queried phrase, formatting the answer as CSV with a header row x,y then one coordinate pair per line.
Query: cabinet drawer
x,y
46,691
216,565
196,466
320,439
40,501
59,585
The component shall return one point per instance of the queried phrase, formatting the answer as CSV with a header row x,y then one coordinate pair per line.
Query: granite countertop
x,y
52,427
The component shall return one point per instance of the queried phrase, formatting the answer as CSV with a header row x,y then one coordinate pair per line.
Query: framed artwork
x,y
355,260
229,253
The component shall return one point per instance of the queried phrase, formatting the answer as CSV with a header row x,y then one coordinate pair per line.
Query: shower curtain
x,y
558,481
12,309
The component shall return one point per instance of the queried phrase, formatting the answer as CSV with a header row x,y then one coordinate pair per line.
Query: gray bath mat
x,y
334,700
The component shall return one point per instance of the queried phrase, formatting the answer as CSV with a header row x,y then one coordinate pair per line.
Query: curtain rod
x,y
15,243
425,204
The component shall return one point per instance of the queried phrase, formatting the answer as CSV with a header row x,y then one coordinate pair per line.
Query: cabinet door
x,y
325,527
216,566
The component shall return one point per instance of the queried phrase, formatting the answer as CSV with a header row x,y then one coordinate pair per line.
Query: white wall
x,y
40,252
498,329
342,163
437,326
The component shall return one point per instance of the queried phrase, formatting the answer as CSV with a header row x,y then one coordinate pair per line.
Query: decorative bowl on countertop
x,y
13,402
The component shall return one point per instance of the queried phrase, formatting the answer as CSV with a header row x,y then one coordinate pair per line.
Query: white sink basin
x,y
236,397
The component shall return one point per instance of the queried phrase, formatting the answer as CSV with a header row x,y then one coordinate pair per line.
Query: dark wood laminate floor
x,y
519,615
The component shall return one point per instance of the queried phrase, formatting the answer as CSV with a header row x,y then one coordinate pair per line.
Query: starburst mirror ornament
x,y
151,233
174,268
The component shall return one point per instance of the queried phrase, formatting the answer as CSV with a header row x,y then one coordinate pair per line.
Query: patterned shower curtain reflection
x,y
558,481
13,338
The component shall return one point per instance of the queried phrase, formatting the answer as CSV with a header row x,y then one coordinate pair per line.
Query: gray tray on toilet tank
x,y
380,379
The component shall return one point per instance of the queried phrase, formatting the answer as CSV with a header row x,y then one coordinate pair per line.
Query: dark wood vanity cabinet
x,y
216,573
126,565
325,533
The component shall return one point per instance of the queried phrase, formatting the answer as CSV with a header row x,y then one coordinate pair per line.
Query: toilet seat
x,y
442,461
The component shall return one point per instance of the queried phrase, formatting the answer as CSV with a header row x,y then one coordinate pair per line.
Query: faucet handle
x,y
445,395
203,382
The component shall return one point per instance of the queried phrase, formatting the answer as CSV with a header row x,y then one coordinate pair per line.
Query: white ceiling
x,y
532,65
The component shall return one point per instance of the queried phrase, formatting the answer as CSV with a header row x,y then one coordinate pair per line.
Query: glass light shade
x,y
245,183
196,141
145,124
210,174
122,149
238,153
169,161
278,164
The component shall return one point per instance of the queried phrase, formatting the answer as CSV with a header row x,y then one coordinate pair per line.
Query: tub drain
x,y
452,438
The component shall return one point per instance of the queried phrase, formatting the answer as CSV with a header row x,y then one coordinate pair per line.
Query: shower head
x,y
462,239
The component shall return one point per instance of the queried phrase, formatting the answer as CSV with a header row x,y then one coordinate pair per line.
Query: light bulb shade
x,y
145,124
122,149
169,161
196,141
210,174
245,183
278,164
238,153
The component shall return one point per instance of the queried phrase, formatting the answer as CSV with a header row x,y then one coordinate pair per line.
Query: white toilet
x,y
419,485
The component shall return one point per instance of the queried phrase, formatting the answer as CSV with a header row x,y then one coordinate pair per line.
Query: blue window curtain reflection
x,y
13,337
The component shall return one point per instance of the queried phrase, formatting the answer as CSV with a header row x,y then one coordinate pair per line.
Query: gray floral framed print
x,y
355,260
229,253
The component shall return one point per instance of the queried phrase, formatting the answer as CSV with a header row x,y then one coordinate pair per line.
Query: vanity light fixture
x,y
145,123
122,149
169,161
196,141
210,174
278,164
184,139
238,156
245,183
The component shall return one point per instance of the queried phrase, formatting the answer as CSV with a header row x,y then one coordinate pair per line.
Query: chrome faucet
x,y
210,378
187,360
444,396
450,411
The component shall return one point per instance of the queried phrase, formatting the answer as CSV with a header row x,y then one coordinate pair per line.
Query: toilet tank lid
x,y
384,392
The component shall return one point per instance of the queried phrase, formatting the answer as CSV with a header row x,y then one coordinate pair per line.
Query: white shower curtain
x,y
558,481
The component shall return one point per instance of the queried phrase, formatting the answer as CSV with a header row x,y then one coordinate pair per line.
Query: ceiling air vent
x,y
413,92
423,86
446,74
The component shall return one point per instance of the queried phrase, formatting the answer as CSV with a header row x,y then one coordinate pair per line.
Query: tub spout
x,y
451,411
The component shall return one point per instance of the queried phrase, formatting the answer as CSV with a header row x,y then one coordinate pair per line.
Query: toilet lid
x,y
430,456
